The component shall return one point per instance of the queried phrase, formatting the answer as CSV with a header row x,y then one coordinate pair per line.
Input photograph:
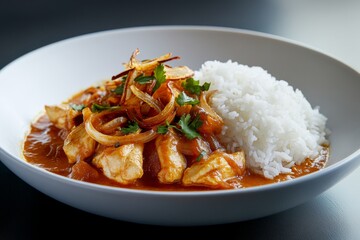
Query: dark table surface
x,y
330,26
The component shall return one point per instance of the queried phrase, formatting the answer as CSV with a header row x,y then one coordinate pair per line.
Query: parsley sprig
x,y
141,79
187,126
99,108
119,89
183,99
160,77
193,86
163,129
131,128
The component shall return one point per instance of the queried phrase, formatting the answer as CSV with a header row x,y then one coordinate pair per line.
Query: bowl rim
x,y
206,28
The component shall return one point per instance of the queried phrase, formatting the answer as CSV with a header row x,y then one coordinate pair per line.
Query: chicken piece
x,y
58,115
62,116
78,145
123,164
172,162
216,170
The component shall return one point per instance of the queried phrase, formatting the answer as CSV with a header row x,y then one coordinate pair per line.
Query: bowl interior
x,y
55,72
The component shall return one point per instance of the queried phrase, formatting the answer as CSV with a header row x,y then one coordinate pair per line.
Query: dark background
x,y
27,25
26,213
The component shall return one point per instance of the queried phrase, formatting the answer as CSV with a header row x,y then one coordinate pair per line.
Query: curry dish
x,y
149,127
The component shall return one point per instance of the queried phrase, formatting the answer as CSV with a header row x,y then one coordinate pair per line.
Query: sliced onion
x,y
133,61
167,59
150,65
123,73
87,112
128,82
171,117
113,124
204,104
164,114
176,73
146,98
147,65
109,140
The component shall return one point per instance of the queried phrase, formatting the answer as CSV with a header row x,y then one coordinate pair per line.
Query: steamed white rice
x,y
273,123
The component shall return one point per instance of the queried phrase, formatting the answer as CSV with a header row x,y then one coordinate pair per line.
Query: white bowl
x,y
51,74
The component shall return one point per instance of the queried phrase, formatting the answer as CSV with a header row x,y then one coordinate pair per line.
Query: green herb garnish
x,y
99,108
141,79
160,77
119,89
183,99
131,128
193,86
163,129
188,128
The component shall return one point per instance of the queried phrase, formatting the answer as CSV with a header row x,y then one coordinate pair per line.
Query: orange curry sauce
x,y
43,148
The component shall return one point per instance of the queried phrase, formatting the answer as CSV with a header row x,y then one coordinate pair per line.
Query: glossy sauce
x,y
43,148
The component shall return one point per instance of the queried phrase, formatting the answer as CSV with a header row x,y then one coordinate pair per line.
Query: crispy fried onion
x,y
165,115
147,65
110,140
146,98
128,82
204,97
176,73
132,102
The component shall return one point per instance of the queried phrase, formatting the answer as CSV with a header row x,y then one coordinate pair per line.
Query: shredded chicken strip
x,y
216,170
78,145
123,164
172,162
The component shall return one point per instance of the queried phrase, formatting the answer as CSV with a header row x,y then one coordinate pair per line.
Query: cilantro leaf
x,y
77,107
196,123
119,89
193,86
141,79
205,86
159,74
183,99
98,108
162,129
188,128
131,128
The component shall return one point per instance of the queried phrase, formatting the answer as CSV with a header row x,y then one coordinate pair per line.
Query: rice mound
x,y
273,123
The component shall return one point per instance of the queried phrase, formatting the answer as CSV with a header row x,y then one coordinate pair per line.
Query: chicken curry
x,y
149,127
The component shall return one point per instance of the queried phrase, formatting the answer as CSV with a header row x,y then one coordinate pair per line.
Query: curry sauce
x,y
43,147
151,126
